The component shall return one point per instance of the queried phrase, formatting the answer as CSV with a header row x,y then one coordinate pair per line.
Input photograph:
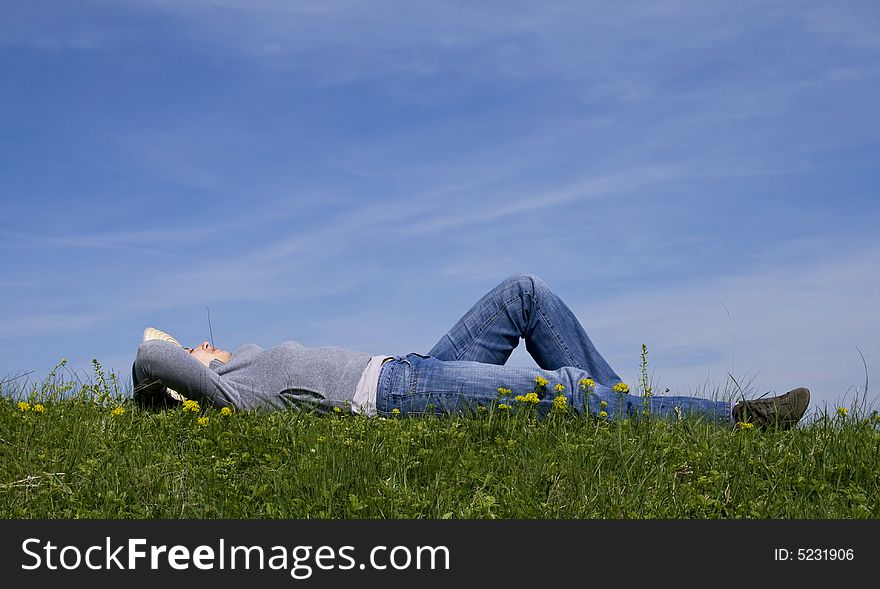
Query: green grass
x,y
79,459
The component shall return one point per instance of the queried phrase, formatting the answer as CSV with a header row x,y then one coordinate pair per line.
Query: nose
x,y
206,346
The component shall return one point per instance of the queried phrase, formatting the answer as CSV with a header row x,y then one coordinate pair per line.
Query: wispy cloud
x,y
508,204
47,323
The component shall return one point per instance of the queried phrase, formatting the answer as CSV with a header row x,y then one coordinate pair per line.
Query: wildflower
x,y
560,404
24,406
603,404
337,410
503,406
620,387
395,411
587,383
503,391
528,398
39,408
202,421
842,411
322,439
559,388
542,382
226,411
117,411
603,414
190,405
744,425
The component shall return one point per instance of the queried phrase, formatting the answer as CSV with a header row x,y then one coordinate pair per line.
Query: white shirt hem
x,y
364,401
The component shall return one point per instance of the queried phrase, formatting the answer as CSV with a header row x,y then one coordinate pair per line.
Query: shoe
x,y
782,412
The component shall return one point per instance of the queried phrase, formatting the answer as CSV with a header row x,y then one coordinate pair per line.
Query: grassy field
x,y
70,449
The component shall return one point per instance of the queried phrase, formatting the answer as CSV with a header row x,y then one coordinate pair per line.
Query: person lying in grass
x,y
464,371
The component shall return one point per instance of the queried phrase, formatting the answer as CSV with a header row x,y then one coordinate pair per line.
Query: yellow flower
x,y
603,404
542,382
503,406
322,439
842,411
116,411
337,410
528,398
559,388
560,403
503,391
603,414
226,411
202,421
744,425
587,383
190,405
620,387
395,411
24,406
39,408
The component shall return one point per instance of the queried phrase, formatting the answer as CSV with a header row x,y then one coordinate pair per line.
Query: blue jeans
x,y
466,368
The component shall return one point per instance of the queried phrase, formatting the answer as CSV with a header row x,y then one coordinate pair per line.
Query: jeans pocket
x,y
417,365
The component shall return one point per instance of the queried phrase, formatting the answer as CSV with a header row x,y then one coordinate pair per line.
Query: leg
x,y
523,306
418,384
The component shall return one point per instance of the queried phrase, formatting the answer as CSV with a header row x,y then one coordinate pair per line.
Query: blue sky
x,y
700,177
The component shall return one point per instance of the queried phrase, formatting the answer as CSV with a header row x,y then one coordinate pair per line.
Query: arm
x,y
160,364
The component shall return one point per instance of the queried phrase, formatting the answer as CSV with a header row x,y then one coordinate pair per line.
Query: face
x,y
205,352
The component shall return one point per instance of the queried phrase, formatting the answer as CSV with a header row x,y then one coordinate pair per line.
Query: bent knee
x,y
526,281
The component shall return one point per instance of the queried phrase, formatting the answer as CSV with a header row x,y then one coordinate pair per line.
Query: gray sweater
x,y
276,378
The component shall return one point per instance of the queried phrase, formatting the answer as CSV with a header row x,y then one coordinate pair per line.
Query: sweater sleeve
x,y
165,363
